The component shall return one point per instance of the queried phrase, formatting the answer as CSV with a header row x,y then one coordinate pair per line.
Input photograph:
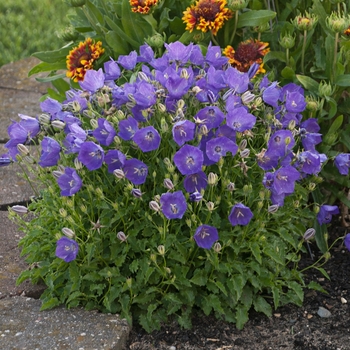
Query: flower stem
x,y
334,72
303,52
287,57
234,28
213,38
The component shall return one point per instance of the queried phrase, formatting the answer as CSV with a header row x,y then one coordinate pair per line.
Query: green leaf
x,y
241,316
297,289
315,286
261,305
276,296
255,18
199,278
308,83
49,304
47,67
51,78
343,80
119,31
117,44
256,251
94,13
337,123
134,25
24,275
53,56
62,86
288,73
275,55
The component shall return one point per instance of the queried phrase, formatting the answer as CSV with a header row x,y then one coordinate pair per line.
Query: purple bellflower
x,y
183,131
284,180
128,128
196,182
347,241
240,215
91,155
104,133
115,160
309,162
219,146
128,61
178,52
240,120
205,236
189,160
70,182
67,249
112,70
135,171
342,162
210,116
324,216
173,205
148,139
295,102
93,80
50,152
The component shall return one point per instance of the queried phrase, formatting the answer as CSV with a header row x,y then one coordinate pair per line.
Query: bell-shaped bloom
x,y
225,130
342,162
295,102
67,249
219,146
112,70
196,182
74,139
93,80
128,61
183,131
280,143
128,128
240,215
284,180
195,197
271,95
69,182
104,133
50,152
240,120
236,80
5,160
189,160
347,241
173,205
135,171
145,94
91,155
205,236
178,52
210,116
148,139
214,56
309,163
324,216
177,86
115,160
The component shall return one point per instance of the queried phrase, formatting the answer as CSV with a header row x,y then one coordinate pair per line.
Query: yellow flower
x,y
347,31
207,15
247,53
81,58
142,6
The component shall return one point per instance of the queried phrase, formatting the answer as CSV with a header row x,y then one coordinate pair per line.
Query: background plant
x,y
21,35
122,224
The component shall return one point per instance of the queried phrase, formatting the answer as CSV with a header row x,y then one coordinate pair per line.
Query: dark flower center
x,y
208,10
247,52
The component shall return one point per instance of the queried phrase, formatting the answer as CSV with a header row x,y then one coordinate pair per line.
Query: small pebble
x,y
343,300
322,312
277,315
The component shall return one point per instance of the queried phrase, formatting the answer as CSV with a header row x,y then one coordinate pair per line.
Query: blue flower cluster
x,y
211,106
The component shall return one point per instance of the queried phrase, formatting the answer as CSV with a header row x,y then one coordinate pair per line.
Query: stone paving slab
x,y
13,187
19,93
57,329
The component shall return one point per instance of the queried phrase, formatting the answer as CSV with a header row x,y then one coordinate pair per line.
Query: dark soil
x,y
290,327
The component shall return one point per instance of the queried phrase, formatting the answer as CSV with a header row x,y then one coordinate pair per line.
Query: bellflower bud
x,y
217,247
119,173
23,150
68,232
63,212
161,250
273,208
168,184
20,209
58,124
121,236
154,206
210,206
230,186
136,193
212,179
309,234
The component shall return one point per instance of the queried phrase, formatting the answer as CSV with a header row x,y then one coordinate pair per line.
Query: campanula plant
x,y
169,183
